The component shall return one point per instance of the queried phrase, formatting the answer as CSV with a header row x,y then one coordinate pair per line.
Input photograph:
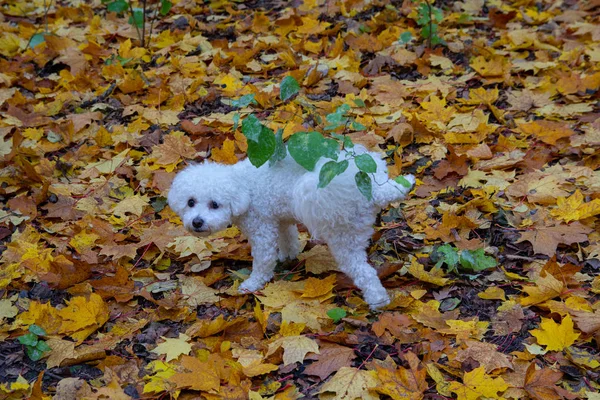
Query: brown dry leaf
x,y
484,353
331,358
540,384
546,239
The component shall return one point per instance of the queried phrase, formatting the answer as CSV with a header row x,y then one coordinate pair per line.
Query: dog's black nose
x,y
197,223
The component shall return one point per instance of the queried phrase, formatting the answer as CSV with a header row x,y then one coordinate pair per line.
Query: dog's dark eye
x,y
191,203
214,205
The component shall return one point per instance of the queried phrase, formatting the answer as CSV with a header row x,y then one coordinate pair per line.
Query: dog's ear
x,y
240,202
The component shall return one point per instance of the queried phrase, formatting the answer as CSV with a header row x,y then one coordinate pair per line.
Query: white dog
x,y
267,202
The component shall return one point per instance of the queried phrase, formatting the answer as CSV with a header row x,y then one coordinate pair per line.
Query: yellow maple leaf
x,y
229,84
82,316
435,276
350,384
159,381
465,329
9,44
547,287
556,337
174,347
295,348
403,383
319,288
83,241
225,154
134,204
573,208
477,384
496,66
196,292
492,293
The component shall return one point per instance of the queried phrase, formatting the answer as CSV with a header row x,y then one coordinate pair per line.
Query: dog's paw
x,y
251,285
377,299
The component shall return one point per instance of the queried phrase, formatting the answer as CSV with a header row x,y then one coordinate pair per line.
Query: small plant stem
x,y
144,23
140,37
430,24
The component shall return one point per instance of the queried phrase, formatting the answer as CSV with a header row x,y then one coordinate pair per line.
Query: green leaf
x,y
330,170
365,163
37,330
137,18
360,102
448,255
280,150
260,151
402,181
165,7
159,204
117,6
336,314
251,128
405,37
42,346
36,39
33,353
437,14
243,101
236,121
28,339
357,126
305,148
363,182
289,87
476,260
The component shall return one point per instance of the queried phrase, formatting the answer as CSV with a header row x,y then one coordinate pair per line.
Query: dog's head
x,y
207,197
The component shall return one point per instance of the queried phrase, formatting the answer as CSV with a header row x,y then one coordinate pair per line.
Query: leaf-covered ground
x,y
499,124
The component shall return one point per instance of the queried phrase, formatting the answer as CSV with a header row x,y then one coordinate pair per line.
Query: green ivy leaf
x,y
280,150
28,339
360,102
330,170
405,37
307,147
363,182
336,314
165,7
289,87
33,353
259,152
402,181
251,128
117,6
365,163
36,39
37,330
243,101
476,260
448,255
42,346
337,118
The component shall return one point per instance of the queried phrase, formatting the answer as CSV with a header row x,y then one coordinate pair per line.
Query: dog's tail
x,y
391,191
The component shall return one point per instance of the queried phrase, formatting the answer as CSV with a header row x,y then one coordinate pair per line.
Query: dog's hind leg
x,y
289,243
264,252
351,255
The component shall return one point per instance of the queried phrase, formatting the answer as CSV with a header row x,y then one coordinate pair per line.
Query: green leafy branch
x,y
466,260
138,15
307,148
428,18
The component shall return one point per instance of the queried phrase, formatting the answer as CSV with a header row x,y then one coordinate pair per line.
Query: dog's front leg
x,y
263,239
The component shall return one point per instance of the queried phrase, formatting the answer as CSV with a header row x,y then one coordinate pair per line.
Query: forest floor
x,y
492,262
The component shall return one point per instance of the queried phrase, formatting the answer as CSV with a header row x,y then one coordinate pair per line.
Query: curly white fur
x,y
267,202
